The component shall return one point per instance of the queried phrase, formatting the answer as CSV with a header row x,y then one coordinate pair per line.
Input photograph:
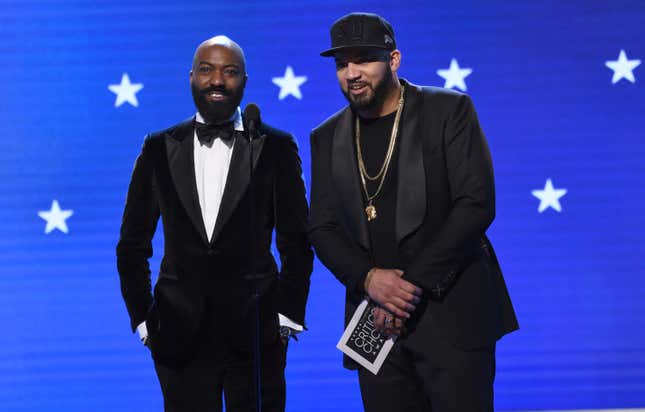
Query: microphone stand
x,y
257,372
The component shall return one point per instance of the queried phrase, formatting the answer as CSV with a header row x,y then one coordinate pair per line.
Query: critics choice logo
x,y
366,340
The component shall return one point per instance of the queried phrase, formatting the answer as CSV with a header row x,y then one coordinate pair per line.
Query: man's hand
x,y
388,323
386,288
286,333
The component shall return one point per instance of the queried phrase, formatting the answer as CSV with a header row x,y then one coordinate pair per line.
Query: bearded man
x,y
402,193
200,319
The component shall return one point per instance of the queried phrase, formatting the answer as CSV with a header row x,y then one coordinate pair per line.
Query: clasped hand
x,y
396,297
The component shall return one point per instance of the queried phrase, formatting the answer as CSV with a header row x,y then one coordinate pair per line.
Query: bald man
x,y
198,322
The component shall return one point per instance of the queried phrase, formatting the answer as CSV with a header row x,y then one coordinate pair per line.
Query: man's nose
x,y
352,71
216,78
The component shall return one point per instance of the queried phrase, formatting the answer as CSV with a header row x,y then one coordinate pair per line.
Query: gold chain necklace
x,y
370,209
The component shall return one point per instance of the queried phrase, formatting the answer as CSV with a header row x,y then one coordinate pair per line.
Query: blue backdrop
x,y
559,90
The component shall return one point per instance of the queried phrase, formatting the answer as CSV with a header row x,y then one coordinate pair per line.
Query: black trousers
x,y
430,375
223,369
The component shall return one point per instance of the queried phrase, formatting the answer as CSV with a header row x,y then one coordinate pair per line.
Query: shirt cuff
x,y
142,330
285,321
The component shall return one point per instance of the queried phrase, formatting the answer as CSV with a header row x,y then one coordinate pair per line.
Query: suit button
x,y
211,252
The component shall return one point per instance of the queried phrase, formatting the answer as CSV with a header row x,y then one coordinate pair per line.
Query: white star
x,y
549,197
289,84
622,67
454,76
126,91
55,218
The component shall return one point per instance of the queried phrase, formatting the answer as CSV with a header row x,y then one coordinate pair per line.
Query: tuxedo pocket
x,y
177,308
152,319
149,344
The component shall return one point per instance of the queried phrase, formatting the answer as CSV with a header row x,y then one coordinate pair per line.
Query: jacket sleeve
x,y
342,256
472,190
291,215
134,248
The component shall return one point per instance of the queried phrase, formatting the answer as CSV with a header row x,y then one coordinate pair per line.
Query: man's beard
x,y
216,112
376,98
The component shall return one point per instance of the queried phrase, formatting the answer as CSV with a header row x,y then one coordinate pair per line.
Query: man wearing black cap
x,y
402,195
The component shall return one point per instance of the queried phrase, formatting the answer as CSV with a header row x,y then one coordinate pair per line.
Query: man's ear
x,y
395,60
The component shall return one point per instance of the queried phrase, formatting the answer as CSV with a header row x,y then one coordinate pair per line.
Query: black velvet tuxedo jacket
x,y
196,275
445,202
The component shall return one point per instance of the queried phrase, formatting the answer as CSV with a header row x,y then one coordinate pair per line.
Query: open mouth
x,y
216,96
357,88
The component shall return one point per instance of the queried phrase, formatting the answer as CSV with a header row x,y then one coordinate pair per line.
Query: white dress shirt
x,y
212,161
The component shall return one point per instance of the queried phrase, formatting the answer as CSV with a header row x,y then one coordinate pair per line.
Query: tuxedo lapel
x,y
237,180
411,191
345,176
180,150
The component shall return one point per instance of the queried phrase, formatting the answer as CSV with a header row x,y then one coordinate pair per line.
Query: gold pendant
x,y
370,211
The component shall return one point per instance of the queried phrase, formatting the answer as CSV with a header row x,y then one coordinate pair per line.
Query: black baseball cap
x,y
360,30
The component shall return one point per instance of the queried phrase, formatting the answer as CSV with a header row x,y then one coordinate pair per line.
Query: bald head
x,y
221,41
218,78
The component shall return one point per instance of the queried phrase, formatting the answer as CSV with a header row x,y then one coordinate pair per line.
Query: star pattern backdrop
x,y
559,91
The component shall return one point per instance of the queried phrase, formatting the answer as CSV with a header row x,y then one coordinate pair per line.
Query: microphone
x,y
251,119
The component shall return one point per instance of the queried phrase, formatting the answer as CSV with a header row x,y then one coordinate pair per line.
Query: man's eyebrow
x,y
357,57
225,66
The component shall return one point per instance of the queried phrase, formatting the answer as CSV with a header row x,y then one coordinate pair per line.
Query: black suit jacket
x,y
197,275
445,202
